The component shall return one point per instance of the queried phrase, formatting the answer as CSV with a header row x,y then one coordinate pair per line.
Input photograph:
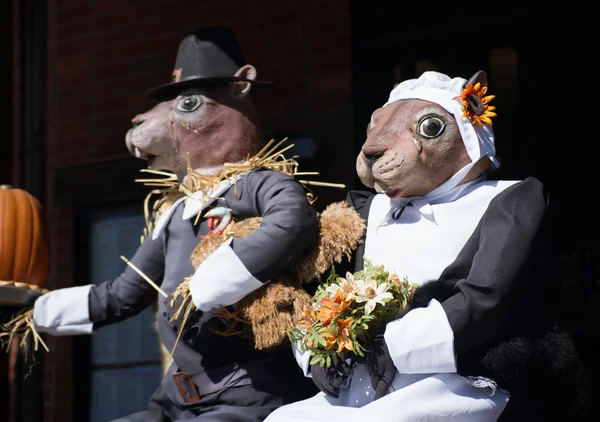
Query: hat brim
x,y
171,89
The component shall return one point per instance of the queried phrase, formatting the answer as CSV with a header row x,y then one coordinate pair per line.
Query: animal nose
x,y
136,122
371,157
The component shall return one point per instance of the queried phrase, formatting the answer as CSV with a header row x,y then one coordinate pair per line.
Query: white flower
x,y
347,285
368,291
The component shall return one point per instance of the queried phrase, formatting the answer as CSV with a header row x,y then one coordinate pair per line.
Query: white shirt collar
x,y
194,204
423,203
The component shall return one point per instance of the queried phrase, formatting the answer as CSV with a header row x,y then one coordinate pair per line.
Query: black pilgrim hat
x,y
206,56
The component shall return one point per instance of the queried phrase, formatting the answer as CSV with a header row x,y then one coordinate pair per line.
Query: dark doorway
x,y
119,367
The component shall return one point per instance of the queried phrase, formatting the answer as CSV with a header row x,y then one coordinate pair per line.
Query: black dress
x,y
499,297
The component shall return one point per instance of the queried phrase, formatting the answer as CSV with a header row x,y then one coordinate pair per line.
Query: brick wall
x,y
103,55
6,73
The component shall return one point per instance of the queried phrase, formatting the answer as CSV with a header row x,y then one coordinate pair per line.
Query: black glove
x,y
330,380
380,367
171,308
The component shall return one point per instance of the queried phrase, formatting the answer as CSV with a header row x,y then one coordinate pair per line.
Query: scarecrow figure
x,y
478,342
205,130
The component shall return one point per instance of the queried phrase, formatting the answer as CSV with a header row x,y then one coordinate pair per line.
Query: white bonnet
x,y
441,89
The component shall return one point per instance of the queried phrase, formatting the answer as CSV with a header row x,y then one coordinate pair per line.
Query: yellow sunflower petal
x,y
476,87
486,119
483,91
487,99
490,114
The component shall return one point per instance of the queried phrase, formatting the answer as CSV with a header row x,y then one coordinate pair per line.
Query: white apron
x,y
420,245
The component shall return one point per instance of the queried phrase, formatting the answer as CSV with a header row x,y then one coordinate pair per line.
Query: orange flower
x,y
341,336
332,308
410,292
309,317
476,104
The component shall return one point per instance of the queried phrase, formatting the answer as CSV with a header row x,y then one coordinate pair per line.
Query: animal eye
x,y
430,127
189,103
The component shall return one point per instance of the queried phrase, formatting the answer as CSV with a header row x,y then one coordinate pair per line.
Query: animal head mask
x,y
432,134
205,113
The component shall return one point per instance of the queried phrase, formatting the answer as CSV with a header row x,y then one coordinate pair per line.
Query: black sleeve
x,y
129,294
289,226
361,201
502,277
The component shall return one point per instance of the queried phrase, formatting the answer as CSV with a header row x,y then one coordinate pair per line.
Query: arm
x,y
81,309
504,274
499,277
242,265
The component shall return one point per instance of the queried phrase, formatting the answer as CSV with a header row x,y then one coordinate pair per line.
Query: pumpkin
x,y
24,245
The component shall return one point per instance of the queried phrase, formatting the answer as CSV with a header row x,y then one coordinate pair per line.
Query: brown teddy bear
x,y
268,313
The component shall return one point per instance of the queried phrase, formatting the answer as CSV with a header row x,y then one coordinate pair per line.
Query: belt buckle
x,y
186,387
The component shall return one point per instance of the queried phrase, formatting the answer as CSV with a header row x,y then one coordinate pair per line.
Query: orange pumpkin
x,y
24,246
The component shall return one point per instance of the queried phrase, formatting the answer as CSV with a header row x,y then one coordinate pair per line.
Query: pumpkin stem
x,y
5,187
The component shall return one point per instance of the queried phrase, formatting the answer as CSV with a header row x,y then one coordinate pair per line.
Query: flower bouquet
x,y
347,313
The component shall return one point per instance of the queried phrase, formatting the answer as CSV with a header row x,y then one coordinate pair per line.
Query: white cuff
x,y
422,342
303,359
221,279
63,312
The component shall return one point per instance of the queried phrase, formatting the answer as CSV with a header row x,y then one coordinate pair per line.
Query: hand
x,y
330,380
173,305
380,367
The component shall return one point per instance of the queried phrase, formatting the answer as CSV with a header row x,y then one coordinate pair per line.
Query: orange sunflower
x,y
476,104
341,336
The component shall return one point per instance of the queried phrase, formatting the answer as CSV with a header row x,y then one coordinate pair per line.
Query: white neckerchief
x,y
194,204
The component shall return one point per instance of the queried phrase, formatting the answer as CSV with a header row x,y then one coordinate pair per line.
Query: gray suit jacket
x,y
288,229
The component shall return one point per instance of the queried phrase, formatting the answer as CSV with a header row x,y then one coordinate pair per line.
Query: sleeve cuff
x,y
64,312
221,279
422,342
303,359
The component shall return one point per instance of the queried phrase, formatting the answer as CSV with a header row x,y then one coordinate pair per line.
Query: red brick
x,y
73,29
114,6
138,102
79,12
75,62
66,5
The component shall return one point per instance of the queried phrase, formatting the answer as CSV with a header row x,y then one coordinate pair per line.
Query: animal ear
x,y
480,77
247,72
